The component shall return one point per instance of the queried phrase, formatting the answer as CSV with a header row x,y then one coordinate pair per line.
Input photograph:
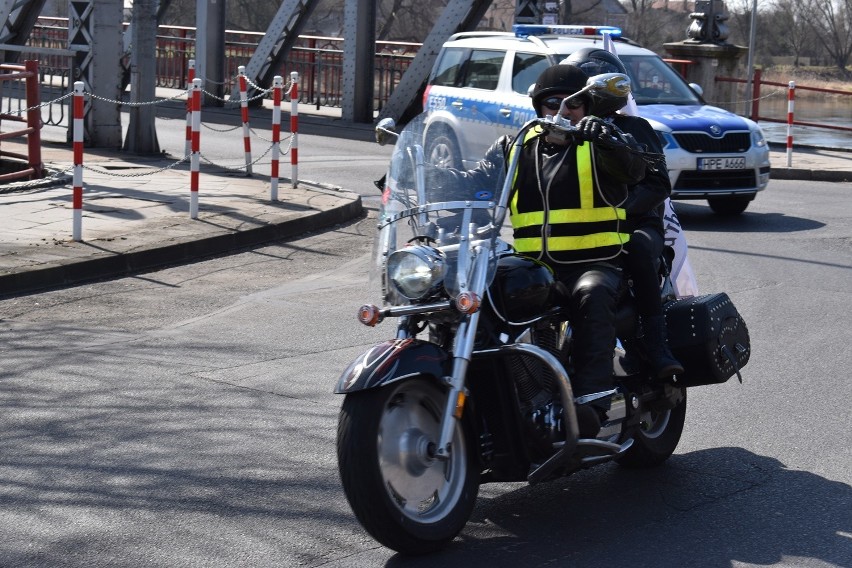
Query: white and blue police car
x,y
478,91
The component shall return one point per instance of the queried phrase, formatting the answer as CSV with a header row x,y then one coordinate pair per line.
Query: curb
x,y
780,173
160,255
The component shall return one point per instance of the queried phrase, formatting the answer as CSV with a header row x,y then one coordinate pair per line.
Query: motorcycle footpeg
x,y
601,451
587,398
587,452
542,472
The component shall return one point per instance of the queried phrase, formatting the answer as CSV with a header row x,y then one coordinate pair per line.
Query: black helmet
x,y
596,61
557,79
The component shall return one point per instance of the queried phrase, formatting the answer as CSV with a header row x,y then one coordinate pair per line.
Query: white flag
x,y
683,278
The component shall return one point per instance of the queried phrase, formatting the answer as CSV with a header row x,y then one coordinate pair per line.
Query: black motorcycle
x,y
475,386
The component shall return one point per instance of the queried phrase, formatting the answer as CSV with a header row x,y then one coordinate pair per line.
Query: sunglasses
x,y
553,103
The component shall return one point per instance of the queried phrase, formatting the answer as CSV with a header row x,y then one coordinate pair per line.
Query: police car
x,y
478,91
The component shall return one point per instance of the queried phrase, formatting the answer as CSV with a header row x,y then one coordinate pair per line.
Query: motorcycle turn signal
x,y
370,315
468,302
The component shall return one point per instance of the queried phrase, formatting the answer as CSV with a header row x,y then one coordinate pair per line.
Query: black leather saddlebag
x,y
709,337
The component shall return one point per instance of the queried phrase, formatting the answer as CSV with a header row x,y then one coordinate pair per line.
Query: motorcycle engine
x,y
538,393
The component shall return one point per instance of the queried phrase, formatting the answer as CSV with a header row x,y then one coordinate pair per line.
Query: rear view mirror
x,y
606,85
609,85
385,131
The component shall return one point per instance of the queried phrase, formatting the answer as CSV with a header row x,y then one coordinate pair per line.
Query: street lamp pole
x,y
750,64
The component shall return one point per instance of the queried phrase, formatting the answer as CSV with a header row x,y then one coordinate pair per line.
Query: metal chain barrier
x,y
237,168
253,131
739,102
131,104
287,86
141,174
42,105
221,129
237,101
56,178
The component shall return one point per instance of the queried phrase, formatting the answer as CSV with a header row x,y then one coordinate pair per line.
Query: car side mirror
x,y
385,131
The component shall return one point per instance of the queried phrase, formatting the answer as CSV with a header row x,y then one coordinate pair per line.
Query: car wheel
x,y
729,205
443,150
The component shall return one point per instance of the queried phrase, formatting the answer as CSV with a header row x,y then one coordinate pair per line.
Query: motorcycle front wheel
x,y
404,497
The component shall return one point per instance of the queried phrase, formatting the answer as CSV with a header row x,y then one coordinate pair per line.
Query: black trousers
x,y
643,250
594,292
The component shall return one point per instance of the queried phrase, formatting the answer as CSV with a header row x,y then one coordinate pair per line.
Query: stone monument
x,y
710,55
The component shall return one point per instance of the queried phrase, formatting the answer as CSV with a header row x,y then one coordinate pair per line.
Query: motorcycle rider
x,y
567,209
645,209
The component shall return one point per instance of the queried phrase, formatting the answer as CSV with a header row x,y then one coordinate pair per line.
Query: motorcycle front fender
x,y
394,360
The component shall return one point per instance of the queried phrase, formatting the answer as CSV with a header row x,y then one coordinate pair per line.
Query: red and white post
x,y
791,100
245,116
277,87
195,97
294,127
77,199
190,78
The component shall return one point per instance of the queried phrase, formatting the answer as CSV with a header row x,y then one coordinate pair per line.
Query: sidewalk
x,y
811,164
132,224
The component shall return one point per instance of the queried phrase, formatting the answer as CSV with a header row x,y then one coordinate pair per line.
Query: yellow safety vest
x,y
578,227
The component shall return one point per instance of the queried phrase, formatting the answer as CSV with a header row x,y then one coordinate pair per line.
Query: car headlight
x,y
416,272
757,138
666,139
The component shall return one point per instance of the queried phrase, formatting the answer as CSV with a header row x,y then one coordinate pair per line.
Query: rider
x,y
567,209
644,208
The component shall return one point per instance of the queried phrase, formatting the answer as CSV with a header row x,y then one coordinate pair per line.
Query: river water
x,y
818,110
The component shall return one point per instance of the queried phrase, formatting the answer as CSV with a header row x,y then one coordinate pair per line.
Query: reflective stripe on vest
x,y
587,213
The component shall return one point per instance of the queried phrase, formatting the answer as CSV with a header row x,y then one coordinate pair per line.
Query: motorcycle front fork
x,y
456,395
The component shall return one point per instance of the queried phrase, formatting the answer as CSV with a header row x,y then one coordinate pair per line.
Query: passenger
x,y
645,209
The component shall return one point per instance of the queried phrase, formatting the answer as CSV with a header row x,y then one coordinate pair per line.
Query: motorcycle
x,y
475,385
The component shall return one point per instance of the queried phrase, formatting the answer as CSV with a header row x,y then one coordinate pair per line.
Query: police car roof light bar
x,y
526,30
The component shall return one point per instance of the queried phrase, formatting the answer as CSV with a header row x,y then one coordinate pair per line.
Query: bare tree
x,y
653,26
579,11
640,21
790,18
831,20
500,16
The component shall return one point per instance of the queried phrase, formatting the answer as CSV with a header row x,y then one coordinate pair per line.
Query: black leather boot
x,y
588,420
656,348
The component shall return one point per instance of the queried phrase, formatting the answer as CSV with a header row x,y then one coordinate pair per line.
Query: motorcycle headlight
x,y
416,272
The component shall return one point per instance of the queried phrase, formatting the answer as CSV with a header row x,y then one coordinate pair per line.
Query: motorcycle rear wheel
x,y
656,438
406,499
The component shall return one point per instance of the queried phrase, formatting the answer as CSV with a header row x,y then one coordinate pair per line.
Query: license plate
x,y
722,163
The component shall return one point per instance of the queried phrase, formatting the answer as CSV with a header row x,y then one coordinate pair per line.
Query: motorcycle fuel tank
x,y
523,289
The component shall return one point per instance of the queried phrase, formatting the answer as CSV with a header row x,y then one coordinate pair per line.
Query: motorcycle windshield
x,y
449,213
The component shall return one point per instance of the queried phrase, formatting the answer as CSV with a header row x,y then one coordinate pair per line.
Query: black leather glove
x,y
594,129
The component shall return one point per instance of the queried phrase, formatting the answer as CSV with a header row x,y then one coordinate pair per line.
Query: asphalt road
x,y
184,417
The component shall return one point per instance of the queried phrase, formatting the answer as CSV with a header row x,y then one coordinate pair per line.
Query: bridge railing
x,y
756,96
317,59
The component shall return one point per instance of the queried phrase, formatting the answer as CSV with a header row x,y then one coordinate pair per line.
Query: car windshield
x,y
655,82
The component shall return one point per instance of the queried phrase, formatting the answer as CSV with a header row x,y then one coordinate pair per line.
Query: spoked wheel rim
x,y
421,487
